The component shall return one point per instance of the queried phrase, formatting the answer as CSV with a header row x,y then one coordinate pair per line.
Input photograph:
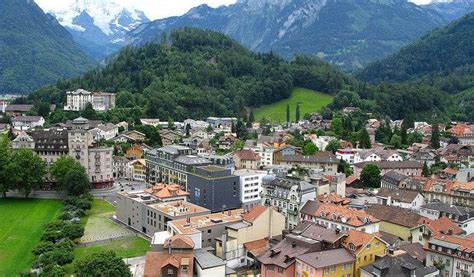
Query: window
x,y
270,268
170,271
280,270
368,246
377,244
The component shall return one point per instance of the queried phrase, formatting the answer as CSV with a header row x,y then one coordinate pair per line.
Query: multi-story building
x,y
103,101
400,264
150,211
454,255
339,217
376,155
325,161
408,168
407,199
137,170
449,192
23,140
221,121
250,187
27,122
347,155
247,159
78,100
258,223
204,229
462,216
287,195
331,263
394,220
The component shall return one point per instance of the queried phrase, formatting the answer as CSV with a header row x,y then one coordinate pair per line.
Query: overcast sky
x,y
155,9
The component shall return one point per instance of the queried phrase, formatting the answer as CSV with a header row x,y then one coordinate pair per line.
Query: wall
x,y
364,257
397,230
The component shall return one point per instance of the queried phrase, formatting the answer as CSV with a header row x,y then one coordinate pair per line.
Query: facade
x,y
376,155
148,212
449,192
258,223
288,196
121,168
339,217
221,121
347,155
428,228
250,187
23,140
395,220
455,255
106,131
462,216
283,151
208,264
400,264
204,229
138,170
407,199
103,101
78,100
408,168
333,263
392,180
27,122
247,159
325,161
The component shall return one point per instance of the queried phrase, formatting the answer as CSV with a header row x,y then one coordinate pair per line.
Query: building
x,y
392,180
207,264
149,212
347,155
334,262
325,161
250,187
258,223
462,216
408,168
103,101
449,192
464,133
377,155
399,264
395,220
287,195
407,199
428,228
106,131
135,152
23,140
169,137
454,255
138,170
18,109
307,237
287,150
366,248
121,168
175,257
27,122
339,217
205,229
247,159
78,100
221,121
98,161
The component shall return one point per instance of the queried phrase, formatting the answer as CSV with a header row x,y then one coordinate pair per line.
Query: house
x,y
247,159
339,217
399,264
258,223
226,141
334,262
407,199
138,170
408,168
121,168
288,195
323,141
103,101
392,180
23,140
347,155
106,131
287,150
427,156
207,264
221,121
376,155
449,192
427,228
325,161
169,137
18,109
175,258
462,216
135,152
130,137
453,254
464,133
395,220
307,237
205,229
366,248
77,100
27,122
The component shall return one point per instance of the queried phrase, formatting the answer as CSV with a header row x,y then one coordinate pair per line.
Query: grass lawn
x,y
21,227
124,248
310,101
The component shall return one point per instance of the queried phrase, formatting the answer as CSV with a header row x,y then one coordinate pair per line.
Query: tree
x,y
104,263
364,139
333,145
396,141
188,129
370,176
403,134
309,148
426,170
344,167
288,114
30,170
170,124
70,176
337,125
8,175
89,112
435,137
297,112
251,117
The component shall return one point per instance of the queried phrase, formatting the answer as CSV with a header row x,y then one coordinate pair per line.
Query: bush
x,y
57,230
56,257
43,247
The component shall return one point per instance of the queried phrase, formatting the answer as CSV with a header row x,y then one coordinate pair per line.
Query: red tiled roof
x,y
166,191
257,247
179,242
351,217
247,155
155,261
254,213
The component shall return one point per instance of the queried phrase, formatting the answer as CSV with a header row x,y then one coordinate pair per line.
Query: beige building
x,y
325,161
247,159
259,223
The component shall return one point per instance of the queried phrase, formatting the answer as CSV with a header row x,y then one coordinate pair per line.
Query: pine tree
x,y
297,113
288,114
188,129
426,170
251,117
403,134
435,137
364,139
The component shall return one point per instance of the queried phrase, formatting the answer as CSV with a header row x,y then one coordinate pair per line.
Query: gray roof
x,y
206,259
320,157
391,165
287,183
191,160
450,209
406,196
239,225
398,266
327,258
394,176
173,149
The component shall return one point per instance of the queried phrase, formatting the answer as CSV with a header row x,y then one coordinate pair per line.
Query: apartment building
x,y
454,255
250,186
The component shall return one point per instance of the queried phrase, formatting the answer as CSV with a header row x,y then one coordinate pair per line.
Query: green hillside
x,y
310,101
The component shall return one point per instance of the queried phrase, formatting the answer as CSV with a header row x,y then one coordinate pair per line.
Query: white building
x,y
407,199
106,131
250,186
27,122
103,101
347,155
77,100
323,141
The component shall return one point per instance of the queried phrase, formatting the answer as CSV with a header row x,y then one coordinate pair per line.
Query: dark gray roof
x,y
320,157
327,258
450,209
191,160
309,207
287,183
394,176
389,238
18,108
406,196
415,250
173,149
399,266
391,165
206,259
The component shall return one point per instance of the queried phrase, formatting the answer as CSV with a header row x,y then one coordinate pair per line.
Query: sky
x,y
155,9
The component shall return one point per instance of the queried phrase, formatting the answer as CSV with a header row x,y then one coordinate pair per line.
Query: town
x,y
345,194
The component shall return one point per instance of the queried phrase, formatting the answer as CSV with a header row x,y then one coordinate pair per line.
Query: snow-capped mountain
x,y
99,26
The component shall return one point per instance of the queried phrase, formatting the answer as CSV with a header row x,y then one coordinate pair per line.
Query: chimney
x,y
293,244
338,231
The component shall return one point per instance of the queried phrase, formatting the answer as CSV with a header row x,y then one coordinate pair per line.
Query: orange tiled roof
x,y
441,226
166,191
465,244
358,239
460,129
257,247
333,198
155,261
254,213
179,241
351,217
247,155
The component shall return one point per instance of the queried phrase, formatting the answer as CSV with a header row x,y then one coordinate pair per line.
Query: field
x,y
125,248
21,227
310,101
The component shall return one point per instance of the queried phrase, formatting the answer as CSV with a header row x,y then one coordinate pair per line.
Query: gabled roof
x,y
254,213
405,196
345,215
394,215
399,266
257,247
246,154
179,242
326,258
359,239
441,226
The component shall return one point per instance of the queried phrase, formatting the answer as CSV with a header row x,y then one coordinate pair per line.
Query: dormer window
x,y
352,246
334,216
323,214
